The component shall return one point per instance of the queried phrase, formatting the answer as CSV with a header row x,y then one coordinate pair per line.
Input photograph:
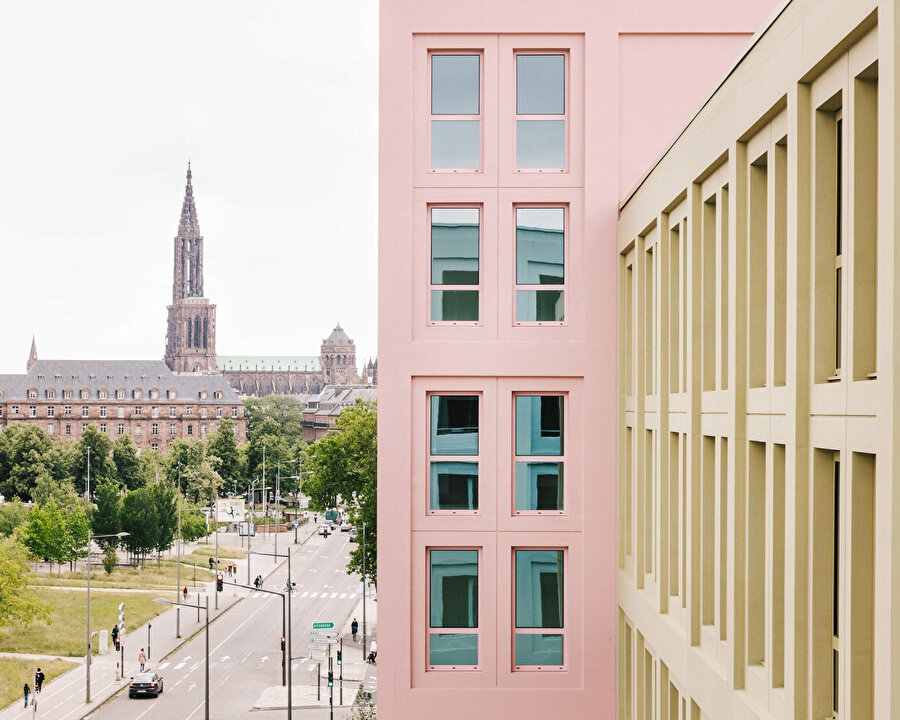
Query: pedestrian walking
x,y
184,592
27,691
38,680
142,659
354,628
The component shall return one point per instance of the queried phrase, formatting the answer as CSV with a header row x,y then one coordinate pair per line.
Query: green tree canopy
x,y
55,533
344,463
141,521
102,466
127,464
107,518
223,445
23,450
18,605
12,515
285,411
165,503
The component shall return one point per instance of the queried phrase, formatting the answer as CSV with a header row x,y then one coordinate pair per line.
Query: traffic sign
x,y
317,646
322,625
324,633
317,656
323,640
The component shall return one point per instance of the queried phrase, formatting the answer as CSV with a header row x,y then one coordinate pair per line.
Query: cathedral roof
x,y
112,375
270,363
188,225
338,337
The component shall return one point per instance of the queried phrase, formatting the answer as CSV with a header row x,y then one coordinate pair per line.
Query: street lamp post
x,y
285,601
285,666
87,664
178,563
364,589
166,601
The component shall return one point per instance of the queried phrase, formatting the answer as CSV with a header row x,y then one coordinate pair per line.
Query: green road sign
x,y
320,625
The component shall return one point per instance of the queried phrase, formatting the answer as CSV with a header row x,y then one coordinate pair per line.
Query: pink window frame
x,y
564,117
452,458
563,287
539,458
479,117
429,631
540,631
431,287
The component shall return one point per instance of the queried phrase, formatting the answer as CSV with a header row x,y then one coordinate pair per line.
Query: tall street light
x,y
178,563
87,665
166,601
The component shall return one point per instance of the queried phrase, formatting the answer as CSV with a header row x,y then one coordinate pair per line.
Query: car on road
x,y
325,529
346,526
148,684
353,532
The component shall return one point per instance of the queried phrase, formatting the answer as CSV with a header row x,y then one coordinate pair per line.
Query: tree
x,y
102,466
12,515
277,452
45,533
166,505
193,525
128,465
18,605
107,518
184,467
285,411
140,521
153,465
345,463
23,452
223,445
48,489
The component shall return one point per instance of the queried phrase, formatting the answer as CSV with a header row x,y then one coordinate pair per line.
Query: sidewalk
x,y
356,671
64,697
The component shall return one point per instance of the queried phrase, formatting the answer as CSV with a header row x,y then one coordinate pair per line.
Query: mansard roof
x,y
268,363
112,375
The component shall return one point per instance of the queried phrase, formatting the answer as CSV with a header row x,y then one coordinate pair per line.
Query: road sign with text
x,y
317,656
322,625
323,641
324,633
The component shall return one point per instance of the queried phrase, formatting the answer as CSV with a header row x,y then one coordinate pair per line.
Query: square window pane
x,y
454,84
540,306
539,649
455,145
454,305
539,486
454,588
454,486
453,649
540,144
540,246
454,246
540,84
454,424
539,588
539,424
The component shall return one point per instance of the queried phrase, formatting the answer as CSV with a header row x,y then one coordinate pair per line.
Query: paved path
x,y
64,697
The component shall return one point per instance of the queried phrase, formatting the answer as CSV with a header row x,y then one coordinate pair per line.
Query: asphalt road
x,y
245,654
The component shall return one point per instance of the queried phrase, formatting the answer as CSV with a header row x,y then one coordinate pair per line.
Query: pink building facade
x,y
510,131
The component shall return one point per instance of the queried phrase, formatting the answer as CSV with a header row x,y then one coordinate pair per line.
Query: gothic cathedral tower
x,y
191,332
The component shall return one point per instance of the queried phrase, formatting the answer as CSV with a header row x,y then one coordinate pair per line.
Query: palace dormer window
x,y
85,394
154,394
217,394
137,394
67,394
203,394
102,394
50,393
172,394
120,394
32,393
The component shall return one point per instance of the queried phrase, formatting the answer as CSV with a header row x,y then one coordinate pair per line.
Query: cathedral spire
x,y
32,357
188,226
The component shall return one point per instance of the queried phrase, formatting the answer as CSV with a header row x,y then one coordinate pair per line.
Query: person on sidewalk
x,y
142,659
184,592
354,628
38,680
27,691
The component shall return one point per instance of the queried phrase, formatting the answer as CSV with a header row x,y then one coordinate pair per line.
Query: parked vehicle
x,y
346,526
148,684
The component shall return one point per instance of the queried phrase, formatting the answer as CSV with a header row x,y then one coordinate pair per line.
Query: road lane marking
x,y
333,596
193,711
178,666
343,595
162,666
315,594
305,594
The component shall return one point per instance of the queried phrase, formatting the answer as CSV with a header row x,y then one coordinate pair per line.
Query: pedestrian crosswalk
x,y
312,594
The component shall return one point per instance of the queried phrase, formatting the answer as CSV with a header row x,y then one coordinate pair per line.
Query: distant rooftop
x,y
283,363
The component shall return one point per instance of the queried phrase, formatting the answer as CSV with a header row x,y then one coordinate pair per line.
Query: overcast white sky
x,y
274,102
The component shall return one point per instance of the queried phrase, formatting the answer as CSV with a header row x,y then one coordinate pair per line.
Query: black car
x,y
147,684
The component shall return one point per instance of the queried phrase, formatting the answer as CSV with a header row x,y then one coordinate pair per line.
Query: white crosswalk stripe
x,y
303,596
161,666
343,595
315,594
333,596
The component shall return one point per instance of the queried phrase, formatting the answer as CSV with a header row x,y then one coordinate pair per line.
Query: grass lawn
x,y
15,672
65,635
150,577
210,551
